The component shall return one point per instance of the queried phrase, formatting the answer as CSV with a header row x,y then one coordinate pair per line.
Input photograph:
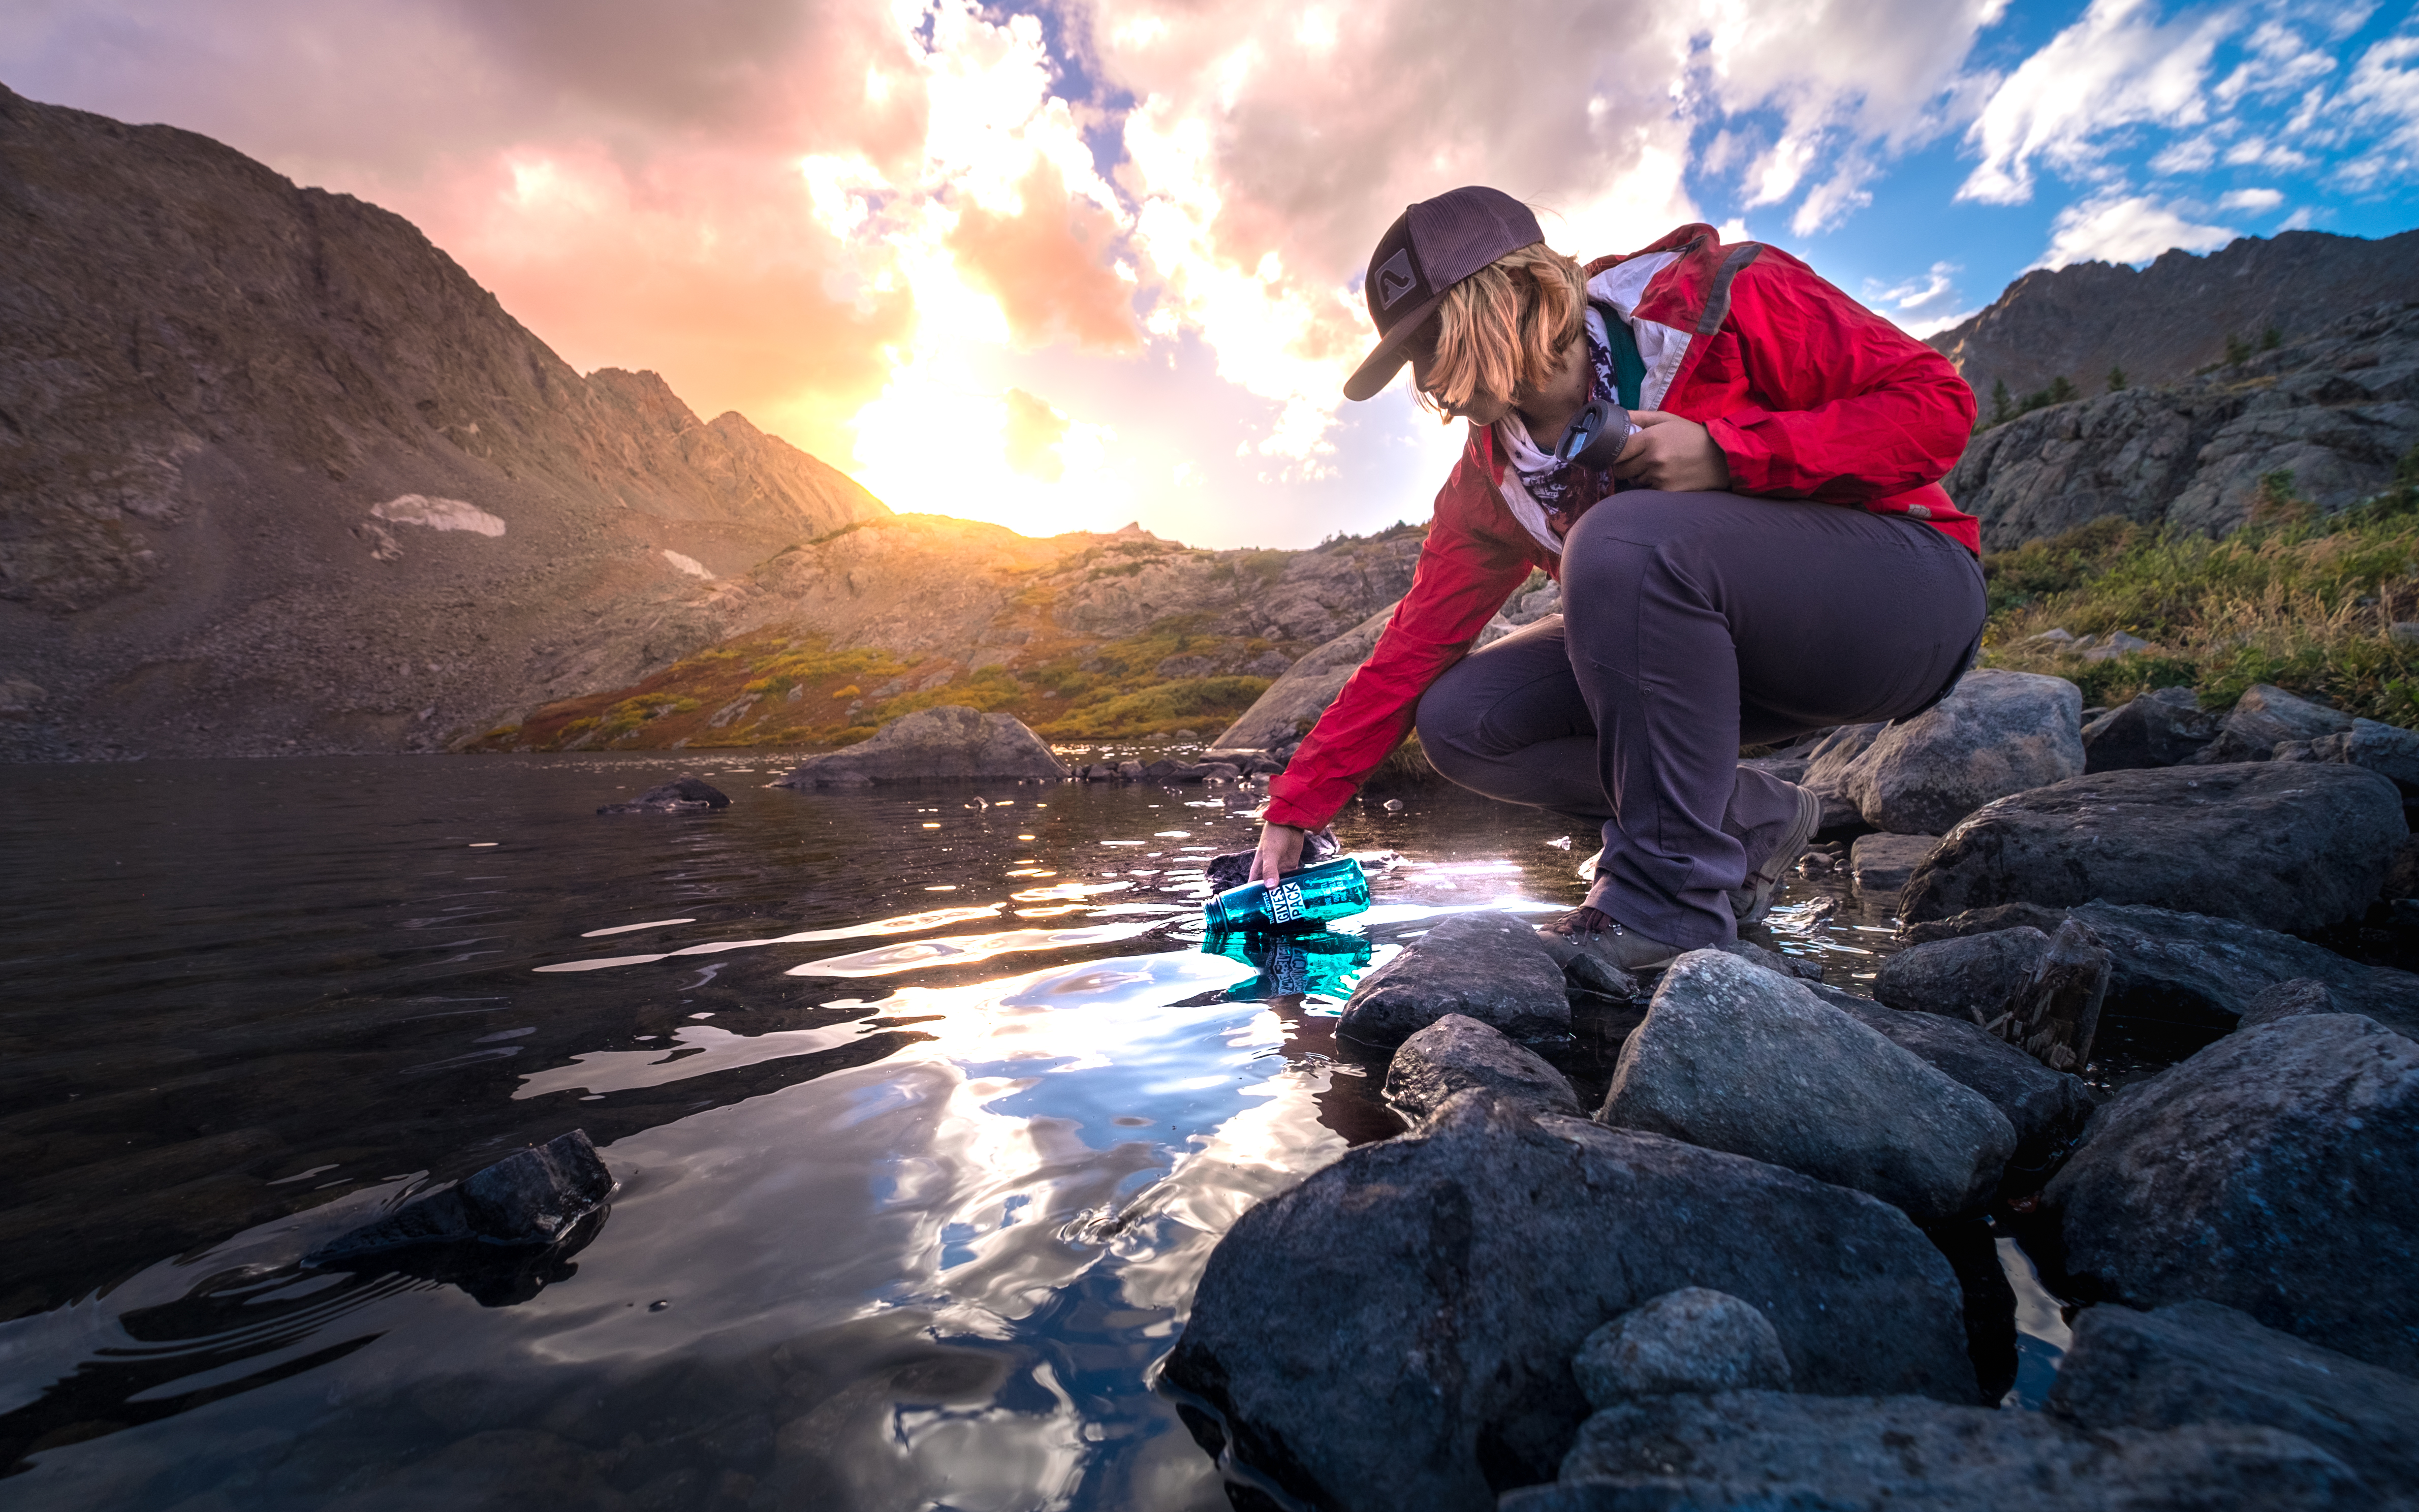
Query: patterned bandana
x,y
1565,491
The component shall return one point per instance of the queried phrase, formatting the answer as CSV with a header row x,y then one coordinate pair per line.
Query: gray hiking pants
x,y
1692,624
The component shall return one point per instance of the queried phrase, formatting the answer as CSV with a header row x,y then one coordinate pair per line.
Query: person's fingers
x,y
1651,418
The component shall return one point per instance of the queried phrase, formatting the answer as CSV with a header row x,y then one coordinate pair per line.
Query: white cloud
x,y
2117,67
2382,96
2259,200
2122,229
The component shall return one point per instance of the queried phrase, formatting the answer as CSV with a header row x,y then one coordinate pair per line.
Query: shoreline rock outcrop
x,y
942,743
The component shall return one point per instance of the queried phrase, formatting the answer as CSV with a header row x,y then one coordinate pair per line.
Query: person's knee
x,y
1446,721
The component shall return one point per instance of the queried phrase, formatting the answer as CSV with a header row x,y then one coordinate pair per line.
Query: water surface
x,y
926,1107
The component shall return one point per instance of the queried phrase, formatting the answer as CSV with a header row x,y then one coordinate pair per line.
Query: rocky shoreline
x,y
1762,1273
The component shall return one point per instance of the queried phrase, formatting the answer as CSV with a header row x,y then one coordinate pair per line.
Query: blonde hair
x,y
1505,327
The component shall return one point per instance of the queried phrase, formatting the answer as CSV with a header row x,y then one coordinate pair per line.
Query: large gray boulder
x,y
1458,1053
1762,1451
1829,764
2046,1108
1881,863
1294,701
2265,717
1490,966
1996,734
2287,847
1734,1057
951,741
2161,728
2196,1361
2040,992
1397,1330
1694,1339
2276,1172
2191,968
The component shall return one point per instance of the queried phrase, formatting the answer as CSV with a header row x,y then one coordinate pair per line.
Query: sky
x,y
1066,264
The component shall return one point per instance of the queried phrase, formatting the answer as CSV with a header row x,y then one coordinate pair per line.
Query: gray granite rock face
x,y
2264,718
2196,1361
2046,1107
1457,1054
2042,992
1398,1329
1759,1451
948,741
1295,701
2161,728
2276,1172
2175,966
1490,966
1738,1058
1881,863
1996,734
2281,847
2388,750
1694,1339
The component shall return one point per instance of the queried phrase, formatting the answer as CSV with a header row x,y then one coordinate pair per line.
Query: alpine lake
x,y
925,1104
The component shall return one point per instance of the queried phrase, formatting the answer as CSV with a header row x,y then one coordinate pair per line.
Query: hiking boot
x,y
1620,946
1748,904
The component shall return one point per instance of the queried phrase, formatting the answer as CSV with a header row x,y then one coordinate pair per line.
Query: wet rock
x,y
1997,732
1694,1339
2041,992
1490,966
1588,975
2280,847
1761,1451
2264,718
1883,862
1129,771
1458,1053
951,741
1396,1331
687,795
1742,1059
2196,1361
533,1196
2158,729
2298,998
2276,1172
2192,968
1827,766
2046,1108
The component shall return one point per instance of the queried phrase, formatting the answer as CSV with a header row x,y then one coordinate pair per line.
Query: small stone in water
x,y
1393,805
658,1304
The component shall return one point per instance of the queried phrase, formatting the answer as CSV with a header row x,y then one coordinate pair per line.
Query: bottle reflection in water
x,y
1319,964
1332,889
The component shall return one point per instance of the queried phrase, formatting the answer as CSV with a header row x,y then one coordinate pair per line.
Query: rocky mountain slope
x,y
276,475
2322,419
2162,322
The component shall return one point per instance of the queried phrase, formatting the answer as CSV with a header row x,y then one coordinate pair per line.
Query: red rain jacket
x,y
1807,394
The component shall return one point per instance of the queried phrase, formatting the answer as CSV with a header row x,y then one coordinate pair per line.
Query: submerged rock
x,y
1738,1058
2041,992
2264,718
1490,966
2194,968
1694,1339
686,794
2161,728
1457,1054
2196,1361
951,741
1761,1451
1996,734
1881,863
533,1196
1396,1331
2281,847
2276,1172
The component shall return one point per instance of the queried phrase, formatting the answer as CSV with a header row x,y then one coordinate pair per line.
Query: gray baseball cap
x,y
1432,246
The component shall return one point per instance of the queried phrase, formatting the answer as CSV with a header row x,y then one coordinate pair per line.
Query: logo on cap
x,y
1395,279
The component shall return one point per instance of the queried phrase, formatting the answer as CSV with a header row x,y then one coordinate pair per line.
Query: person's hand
x,y
1279,853
1673,455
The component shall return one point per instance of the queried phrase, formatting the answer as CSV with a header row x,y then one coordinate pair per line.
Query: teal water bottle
x,y
1293,965
1332,889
